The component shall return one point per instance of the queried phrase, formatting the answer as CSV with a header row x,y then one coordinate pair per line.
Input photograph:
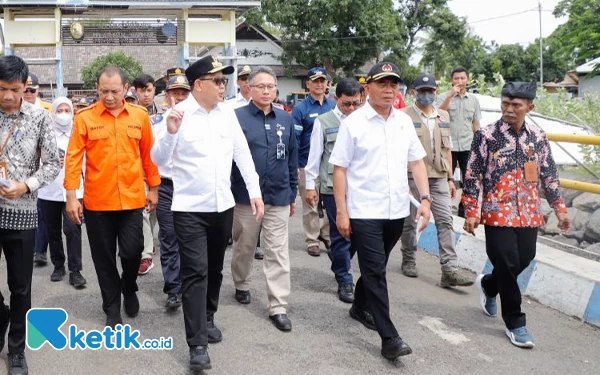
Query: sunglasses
x,y
353,104
243,78
31,91
217,81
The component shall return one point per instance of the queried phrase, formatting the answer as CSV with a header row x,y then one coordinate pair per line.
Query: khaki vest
x,y
437,163
330,125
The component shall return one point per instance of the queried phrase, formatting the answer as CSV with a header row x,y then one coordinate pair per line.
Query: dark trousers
x,y
341,252
17,246
105,229
374,241
202,239
41,238
169,249
57,222
510,251
462,158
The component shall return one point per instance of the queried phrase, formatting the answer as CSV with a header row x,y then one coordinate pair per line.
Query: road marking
x,y
436,326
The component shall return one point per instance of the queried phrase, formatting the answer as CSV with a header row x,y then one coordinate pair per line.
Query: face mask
x,y
425,99
63,120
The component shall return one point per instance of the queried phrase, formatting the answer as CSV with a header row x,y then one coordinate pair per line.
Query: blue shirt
x,y
278,177
304,115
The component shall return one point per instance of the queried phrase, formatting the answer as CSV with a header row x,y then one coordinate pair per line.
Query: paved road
x,y
445,328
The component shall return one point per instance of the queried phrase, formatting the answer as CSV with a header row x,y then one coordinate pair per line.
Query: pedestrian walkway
x,y
445,328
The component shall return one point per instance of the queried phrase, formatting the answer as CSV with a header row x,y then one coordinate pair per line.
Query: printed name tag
x,y
417,124
444,125
313,115
267,126
331,130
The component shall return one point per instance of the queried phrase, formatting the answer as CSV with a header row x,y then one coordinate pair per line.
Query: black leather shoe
x,y
258,254
77,280
58,274
346,293
199,359
282,322
131,304
4,321
394,347
17,365
325,242
113,319
243,296
214,334
173,301
40,259
364,316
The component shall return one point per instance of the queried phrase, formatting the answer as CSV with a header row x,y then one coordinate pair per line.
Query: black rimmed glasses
x,y
217,80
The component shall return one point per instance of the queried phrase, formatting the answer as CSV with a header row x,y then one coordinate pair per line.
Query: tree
x,y
130,66
342,34
579,37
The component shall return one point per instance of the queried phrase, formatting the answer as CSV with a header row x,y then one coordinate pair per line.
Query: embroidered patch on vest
x,y
444,125
331,130
417,124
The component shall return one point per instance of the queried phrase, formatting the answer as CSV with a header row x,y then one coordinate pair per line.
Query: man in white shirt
x,y
203,138
177,90
374,147
348,97
243,97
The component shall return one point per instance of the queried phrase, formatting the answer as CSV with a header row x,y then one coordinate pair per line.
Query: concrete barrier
x,y
557,279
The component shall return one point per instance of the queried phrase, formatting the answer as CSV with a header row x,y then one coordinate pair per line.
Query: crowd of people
x,y
211,171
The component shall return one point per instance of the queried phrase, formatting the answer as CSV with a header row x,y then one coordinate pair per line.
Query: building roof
x,y
589,66
136,3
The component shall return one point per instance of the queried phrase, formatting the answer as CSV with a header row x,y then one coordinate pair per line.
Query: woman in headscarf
x,y
52,200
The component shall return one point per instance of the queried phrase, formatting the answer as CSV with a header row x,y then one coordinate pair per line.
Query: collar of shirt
x,y
505,127
240,98
25,109
256,111
372,113
435,113
338,113
100,108
312,100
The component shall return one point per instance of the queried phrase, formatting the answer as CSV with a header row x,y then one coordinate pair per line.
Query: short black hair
x,y
142,81
110,71
348,87
13,68
459,70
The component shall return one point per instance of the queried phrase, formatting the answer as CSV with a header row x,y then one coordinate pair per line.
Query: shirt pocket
x,y
134,133
97,133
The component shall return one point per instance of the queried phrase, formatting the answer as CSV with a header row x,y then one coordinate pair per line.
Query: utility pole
x,y
541,48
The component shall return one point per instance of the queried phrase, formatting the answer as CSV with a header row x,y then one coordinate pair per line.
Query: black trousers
x,y
462,158
202,239
510,251
169,249
104,230
374,241
18,246
57,222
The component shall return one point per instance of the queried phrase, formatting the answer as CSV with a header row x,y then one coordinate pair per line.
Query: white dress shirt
x,y
202,152
238,101
376,153
315,153
158,131
55,191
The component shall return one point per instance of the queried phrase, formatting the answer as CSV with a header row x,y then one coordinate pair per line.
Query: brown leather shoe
x,y
314,251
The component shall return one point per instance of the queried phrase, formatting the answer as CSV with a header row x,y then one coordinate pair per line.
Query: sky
x,y
522,28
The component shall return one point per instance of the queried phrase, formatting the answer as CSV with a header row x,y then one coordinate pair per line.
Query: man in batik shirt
x,y
511,158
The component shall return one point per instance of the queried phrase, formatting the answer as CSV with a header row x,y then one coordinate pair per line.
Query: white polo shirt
x,y
238,101
376,153
202,152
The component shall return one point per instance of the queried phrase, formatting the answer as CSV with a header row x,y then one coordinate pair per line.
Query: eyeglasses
x,y
353,104
263,87
31,91
217,81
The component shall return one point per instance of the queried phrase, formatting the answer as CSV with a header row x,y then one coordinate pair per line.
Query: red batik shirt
x,y
497,159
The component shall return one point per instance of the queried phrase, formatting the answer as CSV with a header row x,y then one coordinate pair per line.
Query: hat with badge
x,y
130,95
32,82
82,102
316,73
207,65
362,80
383,70
246,70
175,72
521,90
425,81
178,82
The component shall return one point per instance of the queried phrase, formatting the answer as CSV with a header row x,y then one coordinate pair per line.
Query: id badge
x,y
280,151
531,171
3,170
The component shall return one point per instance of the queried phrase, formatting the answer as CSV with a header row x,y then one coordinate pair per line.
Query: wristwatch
x,y
451,179
426,197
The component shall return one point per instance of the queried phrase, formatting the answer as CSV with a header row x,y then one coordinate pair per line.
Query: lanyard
x,y
10,134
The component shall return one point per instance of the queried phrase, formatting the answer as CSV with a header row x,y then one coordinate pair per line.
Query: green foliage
x,y
130,66
579,37
342,34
